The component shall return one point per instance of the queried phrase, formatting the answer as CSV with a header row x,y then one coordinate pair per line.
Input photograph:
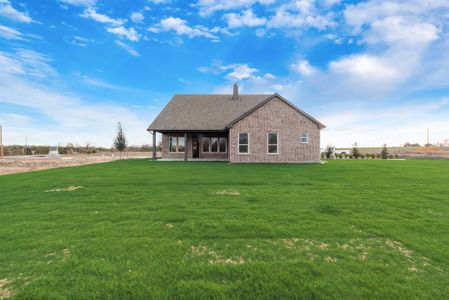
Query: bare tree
x,y
120,140
384,152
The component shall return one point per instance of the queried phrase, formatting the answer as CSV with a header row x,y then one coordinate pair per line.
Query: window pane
x,y
172,146
304,137
272,149
214,144
272,138
222,144
243,138
243,148
181,144
205,144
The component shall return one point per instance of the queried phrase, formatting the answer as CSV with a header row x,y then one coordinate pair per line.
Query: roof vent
x,y
235,92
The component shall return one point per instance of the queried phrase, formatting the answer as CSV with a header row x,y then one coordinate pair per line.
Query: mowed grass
x,y
201,230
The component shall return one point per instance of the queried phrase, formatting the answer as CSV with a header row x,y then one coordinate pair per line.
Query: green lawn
x,y
173,230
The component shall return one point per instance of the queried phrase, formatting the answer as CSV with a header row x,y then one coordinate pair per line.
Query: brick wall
x,y
276,116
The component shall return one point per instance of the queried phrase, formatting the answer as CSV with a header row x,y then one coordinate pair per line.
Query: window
x,y
243,143
272,143
214,144
176,144
222,145
206,143
181,144
304,137
173,143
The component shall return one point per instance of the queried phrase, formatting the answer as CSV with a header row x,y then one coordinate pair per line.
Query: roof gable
x,y
276,95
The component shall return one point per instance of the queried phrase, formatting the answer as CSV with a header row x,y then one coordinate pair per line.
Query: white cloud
x,y
55,115
10,34
392,124
208,7
303,67
180,27
80,2
66,118
7,11
234,72
27,62
13,117
367,12
395,29
365,66
128,48
10,65
91,13
246,18
240,71
300,14
137,17
131,34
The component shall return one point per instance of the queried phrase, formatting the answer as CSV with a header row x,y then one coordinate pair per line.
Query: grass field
x,y
150,230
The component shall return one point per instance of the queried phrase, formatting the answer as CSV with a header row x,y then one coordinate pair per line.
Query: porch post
x,y
154,145
185,146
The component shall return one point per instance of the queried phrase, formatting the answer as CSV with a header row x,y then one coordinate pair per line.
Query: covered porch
x,y
193,145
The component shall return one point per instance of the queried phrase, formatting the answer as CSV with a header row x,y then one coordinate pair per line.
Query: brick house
x,y
236,128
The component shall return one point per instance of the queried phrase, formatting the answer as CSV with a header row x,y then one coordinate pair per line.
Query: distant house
x,y
236,128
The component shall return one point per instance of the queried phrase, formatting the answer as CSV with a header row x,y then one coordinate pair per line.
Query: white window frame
x,y
209,150
238,143
176,144
277,144
301,137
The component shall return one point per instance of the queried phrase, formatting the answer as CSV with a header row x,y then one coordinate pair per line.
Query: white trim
x,y
300,137
277,143
238,143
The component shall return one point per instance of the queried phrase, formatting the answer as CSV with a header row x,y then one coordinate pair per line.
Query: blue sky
x,y
373,71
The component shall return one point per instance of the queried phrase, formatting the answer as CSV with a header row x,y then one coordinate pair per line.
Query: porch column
x,y
154,145
185,146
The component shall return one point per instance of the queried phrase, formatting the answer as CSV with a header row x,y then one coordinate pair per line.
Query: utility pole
x,y
1,142
427,136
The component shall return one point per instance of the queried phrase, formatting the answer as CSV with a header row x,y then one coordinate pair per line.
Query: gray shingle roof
x,y
203,112
208,112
